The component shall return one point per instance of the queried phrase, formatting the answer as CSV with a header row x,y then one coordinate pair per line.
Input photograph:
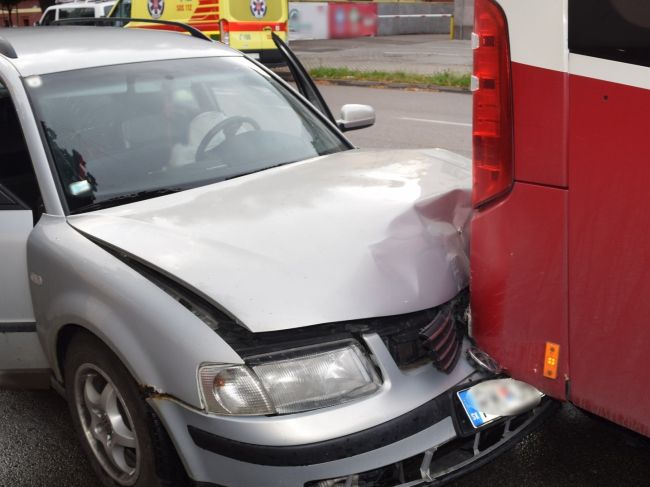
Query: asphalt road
x,y
408,119
38,448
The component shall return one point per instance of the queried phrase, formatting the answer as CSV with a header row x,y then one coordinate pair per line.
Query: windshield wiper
x,y
125,198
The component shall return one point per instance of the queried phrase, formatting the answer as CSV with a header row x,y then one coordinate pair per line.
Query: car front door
x,y
353,117
22,362
301,77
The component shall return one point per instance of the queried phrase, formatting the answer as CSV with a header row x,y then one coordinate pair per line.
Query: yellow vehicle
x,y
245,25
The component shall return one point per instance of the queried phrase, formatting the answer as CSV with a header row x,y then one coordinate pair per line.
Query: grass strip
x,y
443,78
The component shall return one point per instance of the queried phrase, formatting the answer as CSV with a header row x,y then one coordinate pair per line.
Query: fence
x,y
335,20
414,18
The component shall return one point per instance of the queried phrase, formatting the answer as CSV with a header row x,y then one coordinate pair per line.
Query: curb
x,y
393,86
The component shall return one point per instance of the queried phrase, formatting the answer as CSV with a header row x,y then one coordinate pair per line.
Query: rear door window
x,y
618,30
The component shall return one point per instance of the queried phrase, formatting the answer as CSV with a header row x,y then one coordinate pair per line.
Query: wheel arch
x,y
63,339
84,288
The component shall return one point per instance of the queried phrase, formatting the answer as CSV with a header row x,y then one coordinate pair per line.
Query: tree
x,y
9,6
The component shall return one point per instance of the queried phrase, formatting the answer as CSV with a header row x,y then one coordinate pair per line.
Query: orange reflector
x,y
551,359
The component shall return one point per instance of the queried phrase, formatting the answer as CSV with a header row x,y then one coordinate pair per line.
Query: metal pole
x,y
462,20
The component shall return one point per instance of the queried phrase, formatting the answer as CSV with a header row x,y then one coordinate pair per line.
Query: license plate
x,y
254,55
477,418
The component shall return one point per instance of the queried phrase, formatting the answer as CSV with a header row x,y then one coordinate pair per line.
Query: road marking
x,y
410,16
426,53
442,122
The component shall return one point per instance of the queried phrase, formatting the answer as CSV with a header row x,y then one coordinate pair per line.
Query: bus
x,y
245,25
560,248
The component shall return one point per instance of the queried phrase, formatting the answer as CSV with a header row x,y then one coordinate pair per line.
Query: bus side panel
x,y
541,115
537,33
201,14
519,286
205,16
609,250
250,33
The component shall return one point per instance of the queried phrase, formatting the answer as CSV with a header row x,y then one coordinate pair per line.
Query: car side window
x,y
49,17
74,13
123,9
18,185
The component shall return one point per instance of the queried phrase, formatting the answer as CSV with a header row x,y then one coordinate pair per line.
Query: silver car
x,y
227,292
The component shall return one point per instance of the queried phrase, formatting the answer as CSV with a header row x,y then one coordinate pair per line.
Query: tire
x,y
121,435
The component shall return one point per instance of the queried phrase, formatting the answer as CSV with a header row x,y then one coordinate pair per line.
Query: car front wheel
x,y
120,434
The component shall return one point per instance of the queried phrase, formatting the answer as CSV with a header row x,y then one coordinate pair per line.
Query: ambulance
x,y
560,248
245,25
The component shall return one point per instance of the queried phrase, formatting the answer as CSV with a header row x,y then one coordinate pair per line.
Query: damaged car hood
x,y
347,236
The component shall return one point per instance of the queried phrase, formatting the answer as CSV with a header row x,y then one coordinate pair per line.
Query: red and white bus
x,y
561,235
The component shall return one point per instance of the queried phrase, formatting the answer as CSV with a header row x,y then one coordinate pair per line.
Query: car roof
x,y
43,50
80,4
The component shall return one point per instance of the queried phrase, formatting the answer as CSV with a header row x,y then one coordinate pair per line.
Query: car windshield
x,y
127,132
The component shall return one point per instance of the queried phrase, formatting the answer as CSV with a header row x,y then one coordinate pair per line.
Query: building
x,y
25,13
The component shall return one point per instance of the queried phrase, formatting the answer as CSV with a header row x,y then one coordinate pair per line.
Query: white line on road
x,y
442,122
427,53
410,16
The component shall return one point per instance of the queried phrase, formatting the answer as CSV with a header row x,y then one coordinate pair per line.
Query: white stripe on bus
x,y
538,32
612,71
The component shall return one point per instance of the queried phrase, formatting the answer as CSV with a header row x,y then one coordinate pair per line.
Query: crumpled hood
x,y
351,235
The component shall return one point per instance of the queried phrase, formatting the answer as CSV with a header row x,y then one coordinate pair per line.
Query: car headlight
x,y
290,381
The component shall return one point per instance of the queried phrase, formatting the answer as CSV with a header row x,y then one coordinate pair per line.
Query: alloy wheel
x,y
107,424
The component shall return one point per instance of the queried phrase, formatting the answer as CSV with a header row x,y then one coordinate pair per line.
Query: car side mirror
x,y
354,117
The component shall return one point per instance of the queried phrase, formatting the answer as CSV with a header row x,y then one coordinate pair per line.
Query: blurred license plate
x,y
254,55
477,418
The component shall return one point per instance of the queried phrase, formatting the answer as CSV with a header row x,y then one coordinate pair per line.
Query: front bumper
x,y
348,445
442,464
438,464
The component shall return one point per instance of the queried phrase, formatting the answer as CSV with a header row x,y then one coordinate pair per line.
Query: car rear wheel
x,y
121,435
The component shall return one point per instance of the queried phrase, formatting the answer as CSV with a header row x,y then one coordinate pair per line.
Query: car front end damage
x,y
410,431
340,337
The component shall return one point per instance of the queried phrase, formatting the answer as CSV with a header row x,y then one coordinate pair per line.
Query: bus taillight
x,y
492,123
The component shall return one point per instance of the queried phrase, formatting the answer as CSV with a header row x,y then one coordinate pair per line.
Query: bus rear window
x,y
618,30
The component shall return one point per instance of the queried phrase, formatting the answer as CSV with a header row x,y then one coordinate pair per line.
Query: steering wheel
x,y
229,127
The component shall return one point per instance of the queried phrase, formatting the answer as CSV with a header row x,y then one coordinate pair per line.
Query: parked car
x,y
225,290
71,10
